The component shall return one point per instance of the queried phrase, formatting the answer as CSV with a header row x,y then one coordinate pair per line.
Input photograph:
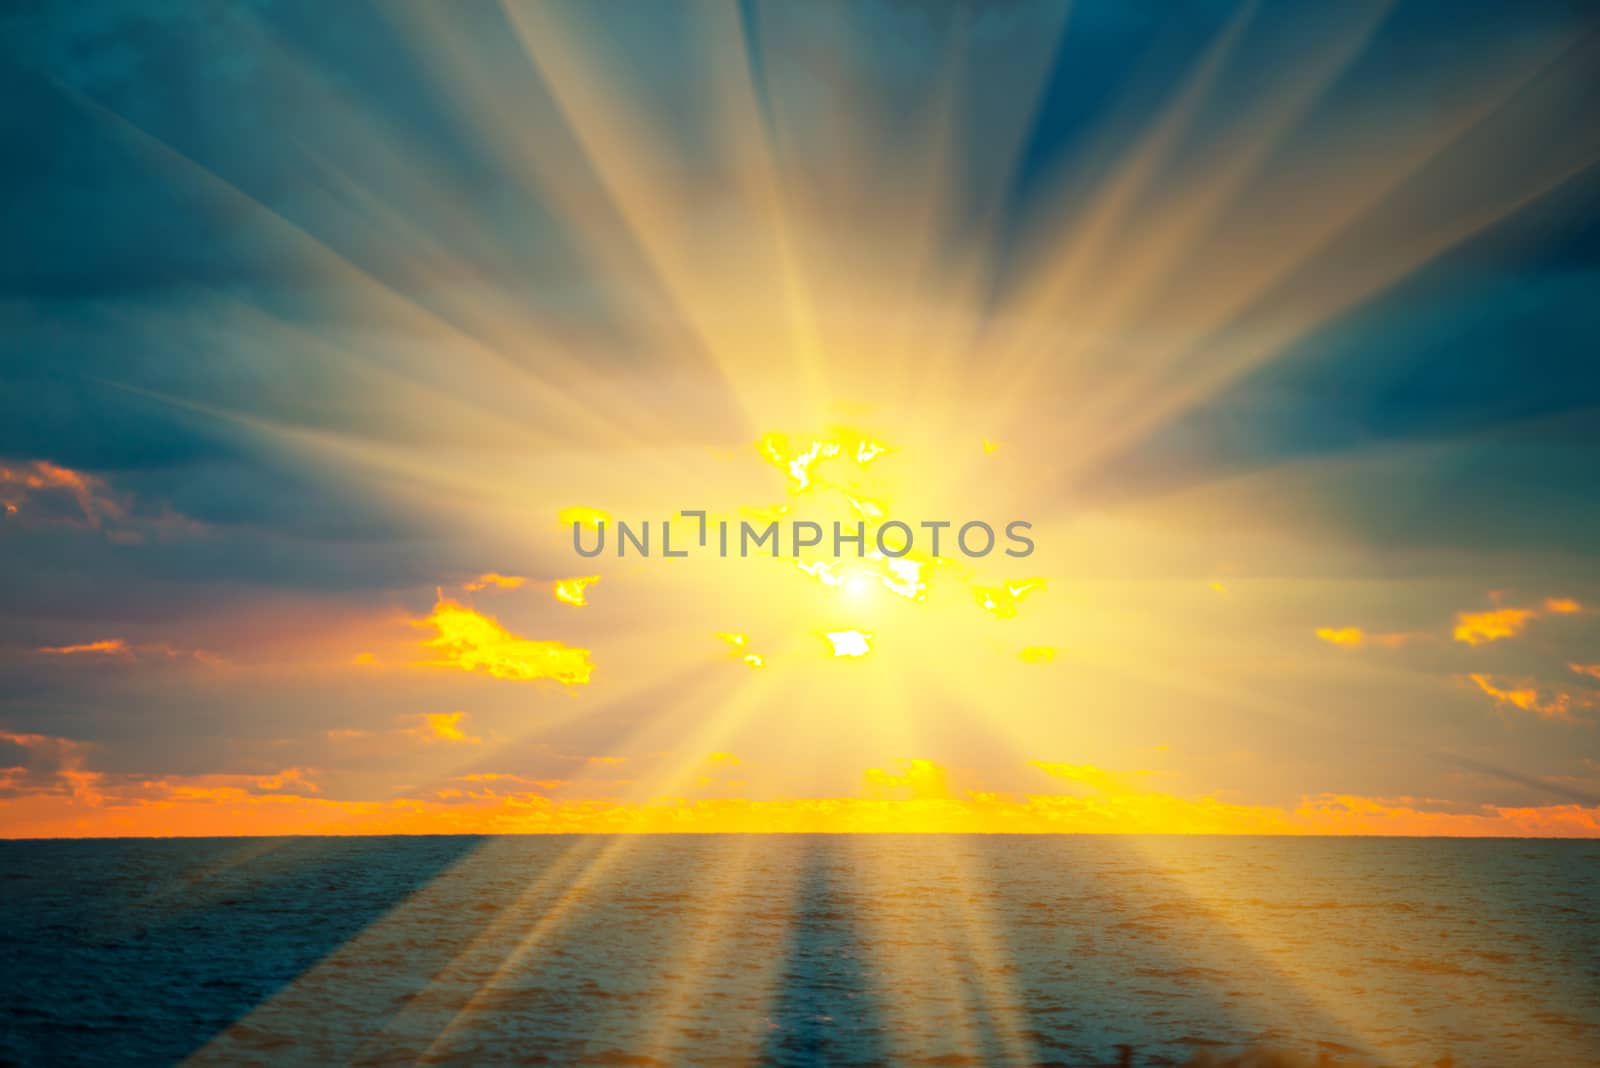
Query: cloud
x,y
469,641
493,578
36,487
1530,697
42,495
444,727
1592,670
1355,637
1037,654
53,766
849,642
570,591
120,648
106,646
288,779
1479,628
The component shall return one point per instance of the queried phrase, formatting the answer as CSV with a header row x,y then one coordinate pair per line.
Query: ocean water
x,y
799,950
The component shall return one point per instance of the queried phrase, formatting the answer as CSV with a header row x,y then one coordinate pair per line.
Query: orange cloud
x,y
63,763
492,578
1477,628
1528,697
1354,637
444,727
25,482
1592,670
288,778
473,642
106,646
120,648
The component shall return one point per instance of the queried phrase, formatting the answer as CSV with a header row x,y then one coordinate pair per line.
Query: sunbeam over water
x,y
801,950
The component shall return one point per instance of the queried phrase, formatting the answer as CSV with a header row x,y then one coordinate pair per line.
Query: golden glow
x,y
914,796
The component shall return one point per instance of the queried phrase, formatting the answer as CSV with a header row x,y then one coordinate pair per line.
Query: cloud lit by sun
x,y
470,641
571,591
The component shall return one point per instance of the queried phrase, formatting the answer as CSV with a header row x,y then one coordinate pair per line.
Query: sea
x,y
800,950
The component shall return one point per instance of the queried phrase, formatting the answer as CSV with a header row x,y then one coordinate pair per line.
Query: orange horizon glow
x,y
911,797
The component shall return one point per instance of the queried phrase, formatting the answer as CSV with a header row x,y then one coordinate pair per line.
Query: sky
x,y
322,324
